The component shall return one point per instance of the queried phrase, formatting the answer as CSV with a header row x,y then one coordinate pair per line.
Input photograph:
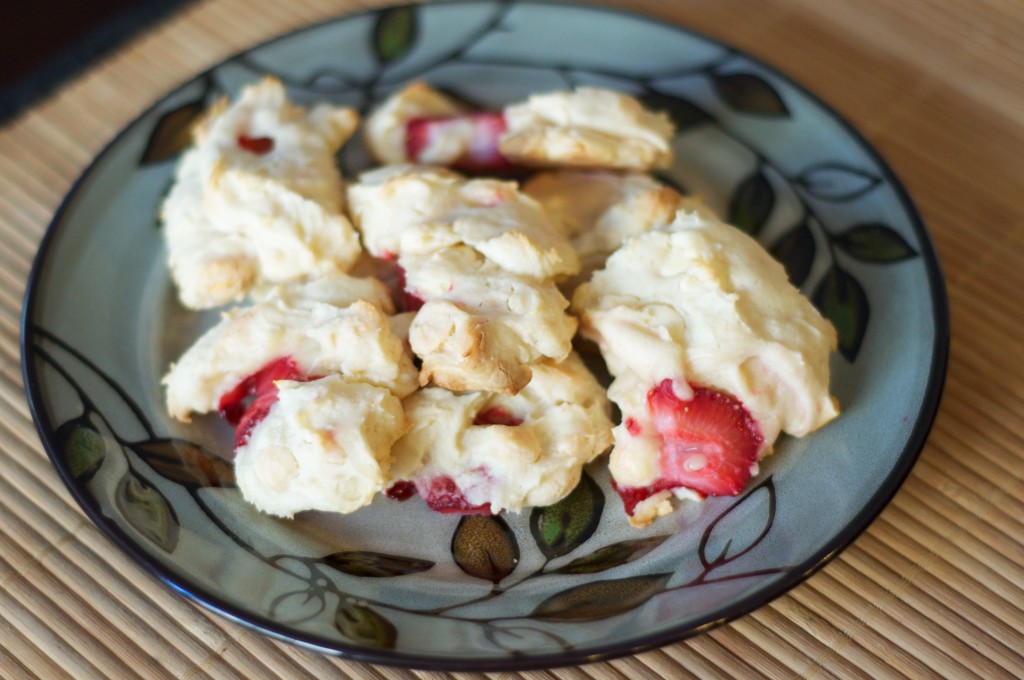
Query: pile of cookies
x,y
411,331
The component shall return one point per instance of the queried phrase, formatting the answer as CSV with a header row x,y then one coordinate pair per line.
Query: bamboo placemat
x,y
932,589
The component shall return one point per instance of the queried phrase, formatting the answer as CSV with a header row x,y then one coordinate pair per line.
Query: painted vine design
x,y
483,547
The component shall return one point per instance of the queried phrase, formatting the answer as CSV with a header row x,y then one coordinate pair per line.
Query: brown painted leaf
x,y
83,448
147,511
610,556
842,300
751,204
361,624
561,528
485,547
173,132
795,250
374,564
600,599
186,463
749,93
394,33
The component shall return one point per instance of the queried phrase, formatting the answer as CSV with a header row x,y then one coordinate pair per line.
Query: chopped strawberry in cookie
x,y
708,444
465,141
442,495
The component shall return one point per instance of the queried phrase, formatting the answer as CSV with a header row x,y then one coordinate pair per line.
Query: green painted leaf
x,y
684,113
610,556
485,547
361,624
186,463
394,33
600,599
561,528
874,242
83,448
752,203
374,564
795,250
749,93
147,511
843,301
173,132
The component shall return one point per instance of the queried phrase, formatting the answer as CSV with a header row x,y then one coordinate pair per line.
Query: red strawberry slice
x,y
256,145
481,130
442,495
496,416
260,386
709,443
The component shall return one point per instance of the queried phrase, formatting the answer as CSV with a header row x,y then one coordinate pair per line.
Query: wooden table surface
x,y
934,588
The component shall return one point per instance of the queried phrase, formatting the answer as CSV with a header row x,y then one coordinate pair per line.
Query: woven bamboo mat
x,y
935,587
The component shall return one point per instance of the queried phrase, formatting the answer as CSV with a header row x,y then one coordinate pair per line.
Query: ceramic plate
x,y
395,583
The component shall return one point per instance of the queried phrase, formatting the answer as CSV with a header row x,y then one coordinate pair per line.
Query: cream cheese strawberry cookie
x,y
478,261
586,127
258,198
714,355
482,453
312,376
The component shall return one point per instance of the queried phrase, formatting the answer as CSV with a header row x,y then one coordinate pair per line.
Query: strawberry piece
x,y
632,495
231,405
442,495
410,301
709,443
401,491
633,427
496,416
260,386
256,145
481,132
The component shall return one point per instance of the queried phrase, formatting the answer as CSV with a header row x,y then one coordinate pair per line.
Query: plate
x,y
395,583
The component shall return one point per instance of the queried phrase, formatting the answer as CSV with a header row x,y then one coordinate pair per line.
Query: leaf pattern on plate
x,y
374,564
600,599
874,242
83,448
485,547
186,463
795,249
361,624
147,511
843,301
749,93
610,556
751,203
394,33
561,528
718,531
836,181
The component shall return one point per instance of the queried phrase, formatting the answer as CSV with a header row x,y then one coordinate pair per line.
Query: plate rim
x,y
872,508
